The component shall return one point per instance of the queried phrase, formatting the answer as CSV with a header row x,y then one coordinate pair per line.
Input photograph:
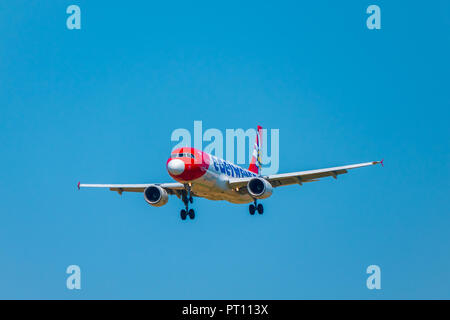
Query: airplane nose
x,y
175,167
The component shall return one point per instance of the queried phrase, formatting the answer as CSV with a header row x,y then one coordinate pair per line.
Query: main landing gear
x,y
187,198
256,207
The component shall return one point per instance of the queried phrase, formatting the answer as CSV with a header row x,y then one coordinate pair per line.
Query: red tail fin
x,y
255,163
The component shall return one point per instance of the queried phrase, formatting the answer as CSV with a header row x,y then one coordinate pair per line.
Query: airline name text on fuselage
x,y
230,169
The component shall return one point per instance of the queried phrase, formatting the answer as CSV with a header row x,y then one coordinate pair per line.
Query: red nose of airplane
x,y
187,164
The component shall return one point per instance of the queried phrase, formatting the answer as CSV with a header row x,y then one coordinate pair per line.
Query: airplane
x,y
199,174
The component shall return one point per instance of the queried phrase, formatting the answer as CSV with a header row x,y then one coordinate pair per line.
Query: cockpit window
x,y
182,155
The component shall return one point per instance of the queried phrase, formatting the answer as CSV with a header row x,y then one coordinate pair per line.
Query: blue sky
x,y
99,105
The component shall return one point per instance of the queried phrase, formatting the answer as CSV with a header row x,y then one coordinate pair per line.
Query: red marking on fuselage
x,y
194,168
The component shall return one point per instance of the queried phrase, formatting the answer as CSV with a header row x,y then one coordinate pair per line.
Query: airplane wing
x,y
284,179
171,188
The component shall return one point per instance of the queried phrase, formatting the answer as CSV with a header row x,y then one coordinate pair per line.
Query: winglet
x,y
379,162
78,185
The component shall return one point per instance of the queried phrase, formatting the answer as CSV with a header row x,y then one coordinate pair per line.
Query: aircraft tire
x,y
191,214
260,208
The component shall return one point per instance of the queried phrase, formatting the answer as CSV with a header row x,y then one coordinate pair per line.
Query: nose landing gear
x,y
183,214
187,198
256,207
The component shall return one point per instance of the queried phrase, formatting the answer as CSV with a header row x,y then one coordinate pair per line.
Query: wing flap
x,y
301,177
170,187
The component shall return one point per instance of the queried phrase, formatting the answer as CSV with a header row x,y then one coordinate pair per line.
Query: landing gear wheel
x,y
183,214
191,214
260,208
251,209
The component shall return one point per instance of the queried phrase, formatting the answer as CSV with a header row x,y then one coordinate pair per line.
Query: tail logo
x,y
256,163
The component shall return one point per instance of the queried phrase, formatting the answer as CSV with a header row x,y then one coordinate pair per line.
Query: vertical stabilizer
x,y
255,163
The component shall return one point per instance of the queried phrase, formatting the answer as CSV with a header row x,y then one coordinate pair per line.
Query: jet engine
x,y
156,196
259,188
